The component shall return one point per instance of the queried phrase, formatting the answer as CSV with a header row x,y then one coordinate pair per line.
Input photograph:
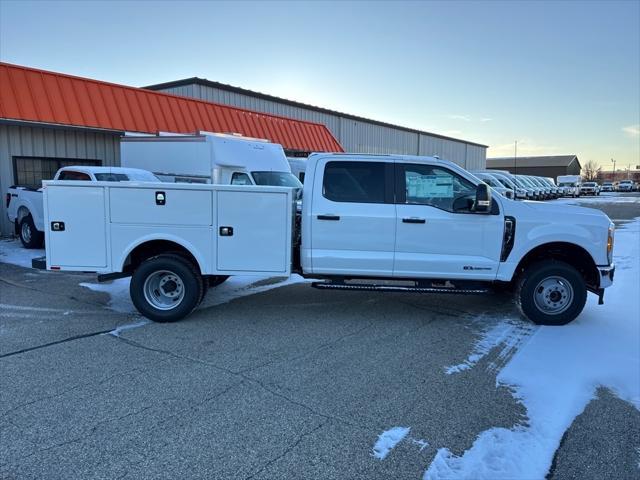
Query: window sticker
x,y
429,186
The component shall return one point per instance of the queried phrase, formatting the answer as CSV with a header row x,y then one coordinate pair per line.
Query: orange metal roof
x,y
28,94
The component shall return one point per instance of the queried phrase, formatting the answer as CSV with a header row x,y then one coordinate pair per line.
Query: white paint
x,y
388,440
555,375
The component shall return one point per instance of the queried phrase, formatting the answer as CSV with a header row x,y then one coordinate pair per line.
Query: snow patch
x,y
130,326
387,441
12,251
556,374
508,334
118,290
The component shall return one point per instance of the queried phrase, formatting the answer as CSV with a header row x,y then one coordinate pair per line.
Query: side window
x,y
240,179
354,182
435,186
71,175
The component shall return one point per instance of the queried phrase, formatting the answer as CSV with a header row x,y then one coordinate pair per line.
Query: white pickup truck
x,y
368,222
24,204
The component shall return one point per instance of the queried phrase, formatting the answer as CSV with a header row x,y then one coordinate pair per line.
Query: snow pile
x,y
387,441
556,374
12,251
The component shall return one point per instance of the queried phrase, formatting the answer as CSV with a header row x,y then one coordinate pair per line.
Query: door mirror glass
x,y
483,199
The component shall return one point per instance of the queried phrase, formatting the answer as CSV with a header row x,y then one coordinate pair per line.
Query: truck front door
x,y
353,218
437,235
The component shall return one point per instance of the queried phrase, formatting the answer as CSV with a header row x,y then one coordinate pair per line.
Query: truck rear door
x,y
75,226
353,217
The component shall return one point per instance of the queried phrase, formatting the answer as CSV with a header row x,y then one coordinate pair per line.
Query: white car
x,y
625,186
589,188
368,222
24,204
607,187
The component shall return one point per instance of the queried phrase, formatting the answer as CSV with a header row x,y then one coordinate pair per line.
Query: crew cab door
x,y
353,218
437,236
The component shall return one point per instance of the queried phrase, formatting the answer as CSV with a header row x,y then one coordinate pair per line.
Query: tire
x,y
29,236
546,281
166,288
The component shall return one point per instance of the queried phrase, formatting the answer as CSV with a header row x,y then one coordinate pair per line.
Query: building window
x,y
30,171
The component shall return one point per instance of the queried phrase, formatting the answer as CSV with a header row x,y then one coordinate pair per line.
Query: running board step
x,y
394,288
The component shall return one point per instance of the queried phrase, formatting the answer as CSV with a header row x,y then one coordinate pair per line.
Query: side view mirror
x,y
483,199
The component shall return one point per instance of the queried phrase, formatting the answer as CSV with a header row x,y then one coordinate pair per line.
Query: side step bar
x,y
395,288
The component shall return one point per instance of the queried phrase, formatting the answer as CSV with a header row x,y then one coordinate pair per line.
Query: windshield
x,y
567,184
525,181
506,182
590,184
276,179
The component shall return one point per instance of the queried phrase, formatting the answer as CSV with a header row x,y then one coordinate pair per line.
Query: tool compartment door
x,y
254,231
79,239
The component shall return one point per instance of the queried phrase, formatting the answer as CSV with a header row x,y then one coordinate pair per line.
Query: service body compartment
x,y
157,205
254,231
75,229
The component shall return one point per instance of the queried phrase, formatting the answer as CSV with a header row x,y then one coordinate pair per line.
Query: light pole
x,y
613,177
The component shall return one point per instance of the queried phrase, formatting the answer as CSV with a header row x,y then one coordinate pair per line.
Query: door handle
x,y
413,220
328,217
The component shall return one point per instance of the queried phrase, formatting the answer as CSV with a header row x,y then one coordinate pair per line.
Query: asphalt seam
x,y
57,342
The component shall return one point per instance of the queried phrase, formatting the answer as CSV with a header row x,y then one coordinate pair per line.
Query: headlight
x,y
612,229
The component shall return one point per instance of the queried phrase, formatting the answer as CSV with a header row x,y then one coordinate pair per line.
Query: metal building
x,y
551,166
355,134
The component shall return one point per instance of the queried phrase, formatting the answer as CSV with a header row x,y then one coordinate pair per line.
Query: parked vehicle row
x,y
526,187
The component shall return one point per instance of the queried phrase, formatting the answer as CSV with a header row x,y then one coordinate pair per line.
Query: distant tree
x,y
591,171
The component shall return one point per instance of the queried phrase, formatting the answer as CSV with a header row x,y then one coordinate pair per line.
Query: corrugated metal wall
x,y
353,135
28,141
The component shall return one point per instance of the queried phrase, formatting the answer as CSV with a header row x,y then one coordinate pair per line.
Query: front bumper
x,y
606,275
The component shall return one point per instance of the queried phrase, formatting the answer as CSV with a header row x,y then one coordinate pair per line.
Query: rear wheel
x,y
551,293
29,236
166,288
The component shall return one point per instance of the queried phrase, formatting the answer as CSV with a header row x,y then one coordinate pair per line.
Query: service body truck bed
x,y
97,228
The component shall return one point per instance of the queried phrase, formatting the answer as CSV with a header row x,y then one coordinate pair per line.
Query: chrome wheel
x,y
163,290
553,295
25,231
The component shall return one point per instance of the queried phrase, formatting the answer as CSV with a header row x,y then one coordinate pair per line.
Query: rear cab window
x,y
73,175
358,182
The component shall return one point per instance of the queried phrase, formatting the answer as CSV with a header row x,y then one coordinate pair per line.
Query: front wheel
x,y
166,288
551,293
